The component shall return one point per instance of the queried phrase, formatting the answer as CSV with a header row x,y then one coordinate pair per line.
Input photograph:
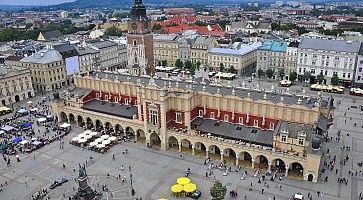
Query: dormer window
x,y
240,120
255,123
301,141
200,113
272,126
283,138
226,118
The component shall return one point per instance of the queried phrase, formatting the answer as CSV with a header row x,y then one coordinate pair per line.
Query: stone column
x,y
135,136
193,150
286,170
206,153
253,163
222,156
180,146
237,159
269,165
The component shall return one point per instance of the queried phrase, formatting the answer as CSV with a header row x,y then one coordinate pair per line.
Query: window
x,y
226,118
178,118
240,120
212,115
360,69
359,77
272,126
301,141
134,42
200,113
154,117
255,123
126,101
343,75
348,75
283,138
312,71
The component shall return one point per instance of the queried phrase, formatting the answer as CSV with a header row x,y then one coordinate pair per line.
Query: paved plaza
x,y
154,171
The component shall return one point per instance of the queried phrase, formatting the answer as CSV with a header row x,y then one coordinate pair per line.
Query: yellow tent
x,y
176,188
191,187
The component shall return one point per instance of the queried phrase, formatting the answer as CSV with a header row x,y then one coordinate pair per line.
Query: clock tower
x,y
140,49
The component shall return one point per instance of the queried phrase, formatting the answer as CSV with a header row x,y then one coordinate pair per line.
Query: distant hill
x,y
15,7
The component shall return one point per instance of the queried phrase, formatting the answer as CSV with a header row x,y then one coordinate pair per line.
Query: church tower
x,y
140,49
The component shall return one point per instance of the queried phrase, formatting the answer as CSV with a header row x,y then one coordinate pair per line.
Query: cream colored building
x,y
108,54
291,59
166,47
242,57
251,128
15,84
47,69
200,47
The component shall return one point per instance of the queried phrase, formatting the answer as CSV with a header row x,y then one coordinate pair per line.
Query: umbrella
x,y
75,139
27,125
93,133
105,137
65,125
87,132
106,142
17,140
87,137
100,146
36,143
98,140
191,187
162,199
176,188
42,119
82,140
183,180
112,138
24,142
81,135
3,146
93,144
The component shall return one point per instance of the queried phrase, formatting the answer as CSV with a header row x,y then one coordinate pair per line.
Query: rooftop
x,y
111,108
212,88
234,131
242,50
330,45
9,71
273,45
43,56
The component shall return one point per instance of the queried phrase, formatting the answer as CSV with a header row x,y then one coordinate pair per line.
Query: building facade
x,y
242,58
328,57
47,69
108,54
140,48
251,128
358,77
166,47
15,84
272,55
249,27
291,59
200,47
88,57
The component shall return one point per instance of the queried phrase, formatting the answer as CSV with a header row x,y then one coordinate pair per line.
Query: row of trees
x,y
66,27
293,76
187,65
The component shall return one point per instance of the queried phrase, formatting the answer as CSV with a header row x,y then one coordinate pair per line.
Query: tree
x,y
307,75
164,63
293,76
281,74
179,64
320,78
260,73
221,67
113,31
218,191
188,65
269,73
232,70
335,79
157,27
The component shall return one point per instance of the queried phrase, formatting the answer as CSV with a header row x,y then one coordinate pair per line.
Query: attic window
x,y
112,105
216,124
239,128
254,131
103,103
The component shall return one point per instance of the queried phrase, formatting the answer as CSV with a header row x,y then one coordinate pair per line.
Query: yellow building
x,y
47,69
200,47
251,128
166,48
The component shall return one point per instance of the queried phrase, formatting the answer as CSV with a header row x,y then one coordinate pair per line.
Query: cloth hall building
x,y
251,128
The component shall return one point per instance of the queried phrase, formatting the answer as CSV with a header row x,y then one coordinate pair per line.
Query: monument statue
x,y
85,192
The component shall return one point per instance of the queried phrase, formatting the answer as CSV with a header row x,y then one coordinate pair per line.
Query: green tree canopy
x,y
164,63
269,73
320,78
307,75
335,79
113,31
221,67
218,191
179,64
281,73
293,76
232,70
157,27
260,73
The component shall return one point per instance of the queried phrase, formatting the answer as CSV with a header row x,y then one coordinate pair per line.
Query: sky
x,y
32,2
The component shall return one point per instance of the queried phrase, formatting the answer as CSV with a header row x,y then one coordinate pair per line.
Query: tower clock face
x,y
134,26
